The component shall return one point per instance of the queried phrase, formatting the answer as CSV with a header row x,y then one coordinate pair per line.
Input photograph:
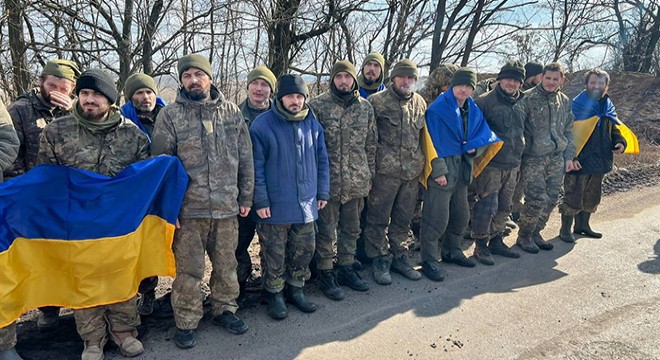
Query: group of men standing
x,y
297,171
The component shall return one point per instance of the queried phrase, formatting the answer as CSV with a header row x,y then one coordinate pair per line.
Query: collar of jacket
x,y
217,98
506,98
109,122
545,93
345,99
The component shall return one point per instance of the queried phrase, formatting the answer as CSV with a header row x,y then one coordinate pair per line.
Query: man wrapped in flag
x,y
455,133
598,135
97,138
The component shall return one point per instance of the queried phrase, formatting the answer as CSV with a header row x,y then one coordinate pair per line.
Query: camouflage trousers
x,y
218,238
246,229
390,207
342,218
8,336
92,323
581,193
542,177
445,211
287,250
494,189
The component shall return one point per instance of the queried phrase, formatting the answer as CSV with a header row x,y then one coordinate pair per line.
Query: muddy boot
x,y
565,231
526,243
381,269
540,242
451,252
400,265
482,253
9,354
497,246
347,276
296,297
328,284
433,271
145,305
276,307
49,318
582,225
185,339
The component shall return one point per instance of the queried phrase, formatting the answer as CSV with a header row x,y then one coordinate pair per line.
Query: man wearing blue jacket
x,y
292,182
142,102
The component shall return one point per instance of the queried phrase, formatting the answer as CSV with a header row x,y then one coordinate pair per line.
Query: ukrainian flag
x,y
78,239
589,113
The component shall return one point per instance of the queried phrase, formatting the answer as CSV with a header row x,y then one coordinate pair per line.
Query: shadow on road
x,y
652,266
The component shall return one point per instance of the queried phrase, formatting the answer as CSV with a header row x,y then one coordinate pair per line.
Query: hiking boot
x,y
433,271
9,354
346,276
497,246
146,303
582,226
276,307
185,339
542,244
129,346
93,350
328,284
565,231
527,244
401,266
381,269
230,322
482,253
297,298
49,318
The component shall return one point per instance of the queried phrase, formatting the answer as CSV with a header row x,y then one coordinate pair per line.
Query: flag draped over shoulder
x,y
78,239
445,135
588,112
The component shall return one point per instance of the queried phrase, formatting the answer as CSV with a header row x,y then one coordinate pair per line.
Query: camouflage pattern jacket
x,y
399,123
507,119
66,141
212,141
9,143
548,123
350,138
484,86
30,115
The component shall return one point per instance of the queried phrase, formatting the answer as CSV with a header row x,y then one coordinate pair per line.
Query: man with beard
x,y
96,137
30,113
399,113
9,146
582,187
350,135
260,88
549,153
495,185
208,134
372,74
292,183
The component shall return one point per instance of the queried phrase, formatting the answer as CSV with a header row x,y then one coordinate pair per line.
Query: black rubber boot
x,y
347,276
185,339
276,307
482,253
328,284
565,231
582,225
497,246
296,297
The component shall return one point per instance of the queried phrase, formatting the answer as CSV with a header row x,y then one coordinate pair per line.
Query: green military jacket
x,y
350,138
9,143
399,123
211,139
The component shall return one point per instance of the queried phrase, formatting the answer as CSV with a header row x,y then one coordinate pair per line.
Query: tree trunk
x,y
14,10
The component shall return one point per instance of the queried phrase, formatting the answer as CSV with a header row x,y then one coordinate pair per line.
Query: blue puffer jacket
x,y
291,167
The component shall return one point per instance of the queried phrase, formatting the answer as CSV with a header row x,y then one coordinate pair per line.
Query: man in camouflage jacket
x,y
208,134
350,136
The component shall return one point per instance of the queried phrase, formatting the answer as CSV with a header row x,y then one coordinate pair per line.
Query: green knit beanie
x,y
136,82
345,66
194,60
377,57
263,73
63,69
404,67
512,70
464,76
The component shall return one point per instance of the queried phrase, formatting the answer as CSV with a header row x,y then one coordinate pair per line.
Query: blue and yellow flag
x,y
78,239
589,113
445,135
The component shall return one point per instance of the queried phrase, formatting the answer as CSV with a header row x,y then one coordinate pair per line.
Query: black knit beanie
x,y
532,69
98,80
291,84
465,76
512,70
